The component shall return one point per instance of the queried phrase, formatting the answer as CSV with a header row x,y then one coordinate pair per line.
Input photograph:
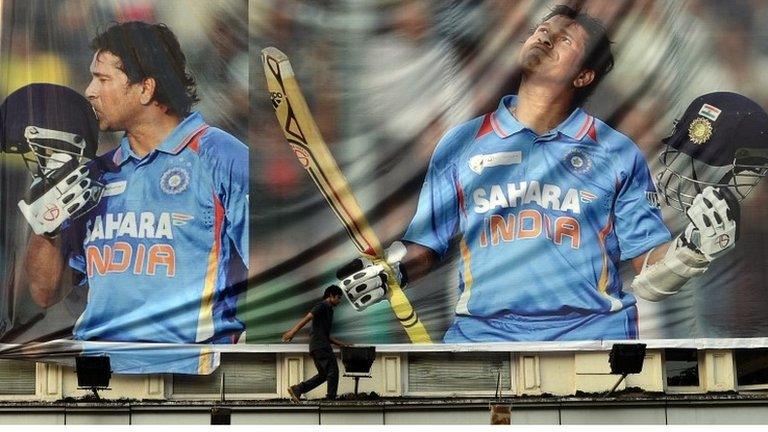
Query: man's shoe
x,y
294,394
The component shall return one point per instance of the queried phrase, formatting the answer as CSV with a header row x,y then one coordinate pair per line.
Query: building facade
x,y
676,386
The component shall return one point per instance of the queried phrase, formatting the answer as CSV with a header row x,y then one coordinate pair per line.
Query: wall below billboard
x,y
693,411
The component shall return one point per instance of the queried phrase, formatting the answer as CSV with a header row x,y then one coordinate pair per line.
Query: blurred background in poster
x,y
385,79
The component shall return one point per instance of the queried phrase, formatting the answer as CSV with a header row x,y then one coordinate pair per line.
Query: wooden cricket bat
x,y
304,138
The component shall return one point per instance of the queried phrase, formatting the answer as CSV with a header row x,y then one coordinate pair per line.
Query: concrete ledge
x,y
621,399
588,409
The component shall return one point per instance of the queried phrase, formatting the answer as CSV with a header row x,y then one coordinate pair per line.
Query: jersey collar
x,y
502,120
577,125
505,124
172,144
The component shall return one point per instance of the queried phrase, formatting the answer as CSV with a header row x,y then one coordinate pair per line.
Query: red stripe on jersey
x,y
485,128
205,321
218,223
192,139
592,132
602,284
497,127
218,219
194,144
460,196
584,127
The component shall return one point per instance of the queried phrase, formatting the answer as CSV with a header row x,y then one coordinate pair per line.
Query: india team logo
x,y
174,181
700,131
578,161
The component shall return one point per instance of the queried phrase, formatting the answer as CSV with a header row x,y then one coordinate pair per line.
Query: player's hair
x,y
151,51
597,57
332,291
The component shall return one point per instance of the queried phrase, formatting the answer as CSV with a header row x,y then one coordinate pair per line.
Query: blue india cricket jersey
x,y
542,221
168,241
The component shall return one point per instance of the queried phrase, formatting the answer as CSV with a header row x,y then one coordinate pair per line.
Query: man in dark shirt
x,y
319,345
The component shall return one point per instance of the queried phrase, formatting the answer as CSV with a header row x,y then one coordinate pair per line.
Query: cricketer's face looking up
x,y
554,51
114,99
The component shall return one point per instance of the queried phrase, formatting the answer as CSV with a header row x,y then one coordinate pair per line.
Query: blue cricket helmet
x,y
51,121
721,141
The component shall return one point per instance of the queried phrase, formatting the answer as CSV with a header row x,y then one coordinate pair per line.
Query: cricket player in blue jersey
x,y
164,249
545,202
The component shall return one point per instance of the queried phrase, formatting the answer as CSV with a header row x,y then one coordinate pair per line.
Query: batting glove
x,y
714,226
364,280
68,194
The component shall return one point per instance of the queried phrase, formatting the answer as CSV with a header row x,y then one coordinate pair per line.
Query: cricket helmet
x,y
720,141
56,132
49,125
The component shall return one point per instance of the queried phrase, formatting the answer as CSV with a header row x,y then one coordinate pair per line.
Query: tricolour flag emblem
x,y
587,197
710,112
179,219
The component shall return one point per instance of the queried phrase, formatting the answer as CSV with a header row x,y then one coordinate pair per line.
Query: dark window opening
x,y
751,366
682,367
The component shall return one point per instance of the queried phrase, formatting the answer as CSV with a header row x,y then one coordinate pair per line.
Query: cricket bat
x,y
304,137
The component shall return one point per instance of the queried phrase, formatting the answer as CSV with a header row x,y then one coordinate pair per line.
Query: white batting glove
x,y
364,281
47,206
714,216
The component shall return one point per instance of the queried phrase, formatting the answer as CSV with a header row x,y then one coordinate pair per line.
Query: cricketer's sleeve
x,y
228,159
639,225
437,215
72,249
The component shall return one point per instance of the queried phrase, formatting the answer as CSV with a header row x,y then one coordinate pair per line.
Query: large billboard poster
x,y
489,175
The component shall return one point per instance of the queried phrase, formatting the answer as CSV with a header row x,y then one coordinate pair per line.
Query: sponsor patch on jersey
x,y
653,199
700,131
578,161
511,195
174,181
179,219
710,112
478,163
114,188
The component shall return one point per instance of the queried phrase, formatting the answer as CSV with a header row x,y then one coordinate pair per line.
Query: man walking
x,y
320,348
